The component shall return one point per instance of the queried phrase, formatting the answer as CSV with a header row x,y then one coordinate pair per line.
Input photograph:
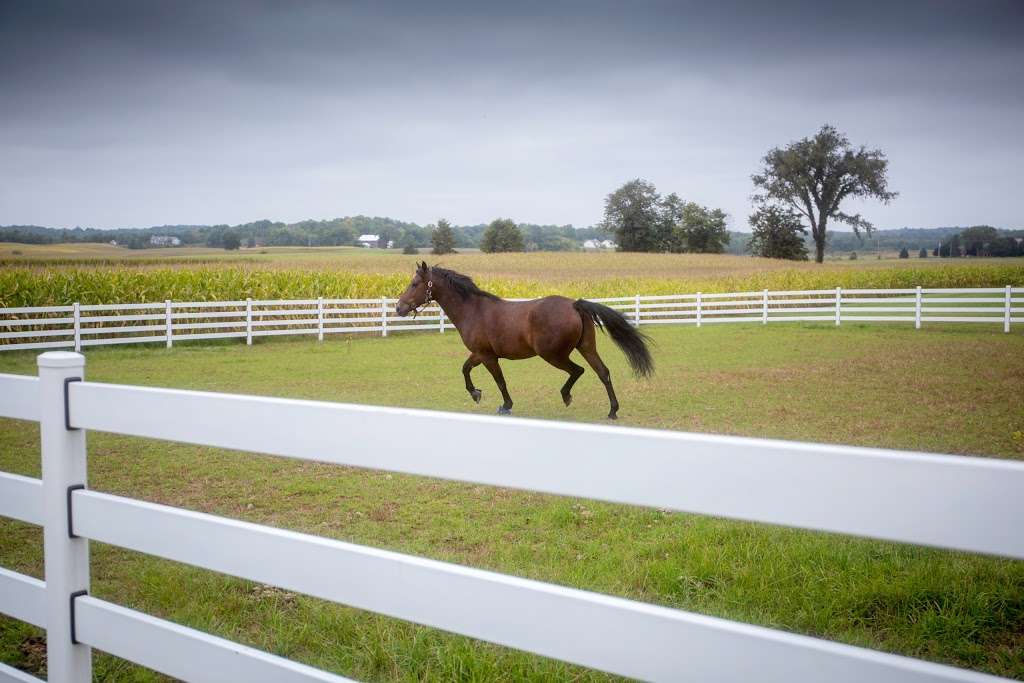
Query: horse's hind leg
x,y
467,367
491,363
575,371
589,351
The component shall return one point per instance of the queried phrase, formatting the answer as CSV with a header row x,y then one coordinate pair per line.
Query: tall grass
x,y
527,276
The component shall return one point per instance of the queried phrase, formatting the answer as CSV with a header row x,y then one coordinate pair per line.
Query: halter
x,y
430,297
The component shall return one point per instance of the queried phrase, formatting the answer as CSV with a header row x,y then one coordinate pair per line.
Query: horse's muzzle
x,y
401,310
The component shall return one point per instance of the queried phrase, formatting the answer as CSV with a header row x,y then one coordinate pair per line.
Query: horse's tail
x,y
630,341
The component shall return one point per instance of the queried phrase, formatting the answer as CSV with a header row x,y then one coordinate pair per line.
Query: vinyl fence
x,y
79,326
961,503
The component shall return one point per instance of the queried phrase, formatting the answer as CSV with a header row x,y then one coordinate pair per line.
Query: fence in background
x,y
961,503
79,326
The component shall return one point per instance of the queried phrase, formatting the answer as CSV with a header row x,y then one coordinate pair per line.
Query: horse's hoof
x,y
567,398
613,416
502,410
476,394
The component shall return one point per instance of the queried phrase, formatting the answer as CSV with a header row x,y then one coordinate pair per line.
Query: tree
x,y
501,234
409,245
904,253
231,240
703,229
814,176
443,238
777,233
978,239
633,214
923,253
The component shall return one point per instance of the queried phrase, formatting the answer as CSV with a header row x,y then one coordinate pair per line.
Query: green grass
x,y
944,388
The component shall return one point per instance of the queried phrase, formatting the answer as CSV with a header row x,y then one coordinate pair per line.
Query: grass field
x,y
945,389
93,274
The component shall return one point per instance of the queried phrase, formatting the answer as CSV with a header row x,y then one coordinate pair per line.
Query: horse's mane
x,y
462,285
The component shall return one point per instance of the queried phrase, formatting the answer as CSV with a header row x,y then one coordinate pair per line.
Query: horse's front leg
x,y
467,368
491,363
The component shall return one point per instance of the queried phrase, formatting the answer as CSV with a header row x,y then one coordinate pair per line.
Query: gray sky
x,y
146,113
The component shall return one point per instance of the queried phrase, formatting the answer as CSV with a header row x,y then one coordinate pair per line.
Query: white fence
x,y
78,326
961,503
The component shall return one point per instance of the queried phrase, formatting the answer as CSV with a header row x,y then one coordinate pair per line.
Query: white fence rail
x,y
80,326
953,502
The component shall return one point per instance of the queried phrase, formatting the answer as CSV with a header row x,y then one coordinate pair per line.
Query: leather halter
x,y
430,297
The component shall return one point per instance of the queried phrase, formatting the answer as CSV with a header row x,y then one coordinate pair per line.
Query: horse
x,y
550,327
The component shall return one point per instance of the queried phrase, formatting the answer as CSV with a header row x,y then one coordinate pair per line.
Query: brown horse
x,y
492,328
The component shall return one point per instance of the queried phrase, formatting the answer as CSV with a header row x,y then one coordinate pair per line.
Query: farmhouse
x,y
599,244
164,241
369,241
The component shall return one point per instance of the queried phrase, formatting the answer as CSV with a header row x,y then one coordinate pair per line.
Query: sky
x,y
131,114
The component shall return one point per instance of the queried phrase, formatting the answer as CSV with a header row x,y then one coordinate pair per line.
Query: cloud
x,y
127,114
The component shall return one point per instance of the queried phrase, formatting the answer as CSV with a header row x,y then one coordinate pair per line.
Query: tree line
x,y
798,193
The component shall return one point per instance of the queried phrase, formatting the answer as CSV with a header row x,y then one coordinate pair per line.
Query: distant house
x,y
596,245
164,241
369,241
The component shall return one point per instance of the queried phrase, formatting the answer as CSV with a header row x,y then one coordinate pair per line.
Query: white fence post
x,y
248,321
839,305
319,318
764,308
167,305
917,309
383,316
636,310
78,328
698,308
1006,310
66,558
440,315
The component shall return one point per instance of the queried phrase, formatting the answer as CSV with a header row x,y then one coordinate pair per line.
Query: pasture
x,y
945,389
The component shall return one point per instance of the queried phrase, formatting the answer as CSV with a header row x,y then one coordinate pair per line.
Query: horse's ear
x,y
422,267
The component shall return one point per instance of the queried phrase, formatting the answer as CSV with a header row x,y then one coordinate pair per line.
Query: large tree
x,y
777,233
814,176
443,238
633,215
502,234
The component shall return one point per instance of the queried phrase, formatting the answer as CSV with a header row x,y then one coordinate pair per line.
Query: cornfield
x,y
511,275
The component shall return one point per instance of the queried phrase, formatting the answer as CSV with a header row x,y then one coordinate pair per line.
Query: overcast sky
x,y
147,113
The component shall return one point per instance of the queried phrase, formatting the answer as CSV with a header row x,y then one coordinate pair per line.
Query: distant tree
x,y
853,256
502,234
923,253
935,251
951,248
977,240
251,242
814,176
703,229
443,238
633,215
777,233
409,244
904,253
231,241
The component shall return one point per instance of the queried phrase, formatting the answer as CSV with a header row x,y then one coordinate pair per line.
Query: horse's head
x,y
419,291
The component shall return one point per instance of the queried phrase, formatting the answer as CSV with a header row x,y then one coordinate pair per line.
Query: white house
x,y
370,241
164,241
599,244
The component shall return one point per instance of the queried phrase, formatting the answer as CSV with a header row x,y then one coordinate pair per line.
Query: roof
x,y
368,238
